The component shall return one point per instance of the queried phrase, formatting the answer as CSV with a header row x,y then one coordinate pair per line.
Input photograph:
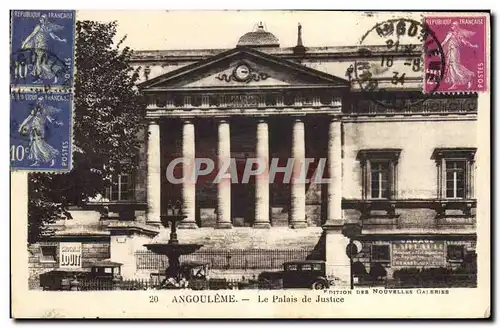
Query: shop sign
x,y
70,255
418,253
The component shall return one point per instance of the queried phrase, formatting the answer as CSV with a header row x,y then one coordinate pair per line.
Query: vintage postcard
x,y
256,164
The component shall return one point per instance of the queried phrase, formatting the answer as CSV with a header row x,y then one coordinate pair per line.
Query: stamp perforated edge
x,y
70,90
61,88
487,45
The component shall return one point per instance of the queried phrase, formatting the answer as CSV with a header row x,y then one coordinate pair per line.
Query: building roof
x,y
243,53
327,52
258,38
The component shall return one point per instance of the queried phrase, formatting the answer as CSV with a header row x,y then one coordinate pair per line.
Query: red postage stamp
x,y
463,42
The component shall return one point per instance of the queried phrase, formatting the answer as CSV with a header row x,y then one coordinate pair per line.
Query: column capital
x,y
222,119
298,116
261,118
188,120
153,121
334,118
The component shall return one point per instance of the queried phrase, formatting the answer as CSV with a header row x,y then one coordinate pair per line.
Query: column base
x,y
223,225
187,225
337,261
333,225
298,225
261,225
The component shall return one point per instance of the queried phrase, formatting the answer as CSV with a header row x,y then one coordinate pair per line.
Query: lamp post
x,y
351,231
173,215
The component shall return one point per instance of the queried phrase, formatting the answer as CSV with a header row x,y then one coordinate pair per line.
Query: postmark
x,y
42,49
406,45
463,39
41,131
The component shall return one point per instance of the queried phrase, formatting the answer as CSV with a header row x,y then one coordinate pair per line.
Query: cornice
x,y
312,53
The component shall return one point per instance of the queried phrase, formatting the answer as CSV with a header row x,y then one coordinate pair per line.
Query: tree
x,y
108,117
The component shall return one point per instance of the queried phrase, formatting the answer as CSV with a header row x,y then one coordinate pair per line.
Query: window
x,y
379,172
317,267
48,254
380,180
455,179
455,253
455,172
306,267
292,267
122,188
380,253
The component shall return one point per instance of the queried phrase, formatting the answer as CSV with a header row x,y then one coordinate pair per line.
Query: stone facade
x,y
301,105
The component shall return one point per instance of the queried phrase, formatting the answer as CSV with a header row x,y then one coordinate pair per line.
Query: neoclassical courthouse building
x,y
402,169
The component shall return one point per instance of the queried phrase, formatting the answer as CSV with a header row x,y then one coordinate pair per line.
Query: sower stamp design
x,y
42,48
40,131
464,44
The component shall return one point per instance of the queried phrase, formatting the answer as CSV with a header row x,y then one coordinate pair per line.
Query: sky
x,y
163,30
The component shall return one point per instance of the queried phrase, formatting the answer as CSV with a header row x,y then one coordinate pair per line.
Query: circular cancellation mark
x,y
393,30
40,70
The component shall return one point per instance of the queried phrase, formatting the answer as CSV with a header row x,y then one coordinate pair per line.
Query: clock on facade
x,y
242,72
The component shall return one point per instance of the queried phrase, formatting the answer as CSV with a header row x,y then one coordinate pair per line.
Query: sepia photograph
x,y
241,157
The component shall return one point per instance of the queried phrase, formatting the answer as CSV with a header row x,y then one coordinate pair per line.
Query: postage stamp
x,y
42,48
463,40
40,131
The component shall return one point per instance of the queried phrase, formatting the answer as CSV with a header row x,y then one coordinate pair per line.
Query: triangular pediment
x,y
240,68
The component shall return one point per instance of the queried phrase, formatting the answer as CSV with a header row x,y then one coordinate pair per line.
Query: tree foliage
x,y
108,119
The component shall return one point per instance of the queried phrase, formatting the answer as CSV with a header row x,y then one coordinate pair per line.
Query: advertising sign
x,y
419,253
70,255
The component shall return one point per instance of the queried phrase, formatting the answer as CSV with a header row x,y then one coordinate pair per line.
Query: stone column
x,y
224,185
337,260
298,213
334,208
153,174
262,180
189,183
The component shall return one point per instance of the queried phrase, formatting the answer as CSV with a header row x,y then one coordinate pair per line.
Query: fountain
x,y
173,249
